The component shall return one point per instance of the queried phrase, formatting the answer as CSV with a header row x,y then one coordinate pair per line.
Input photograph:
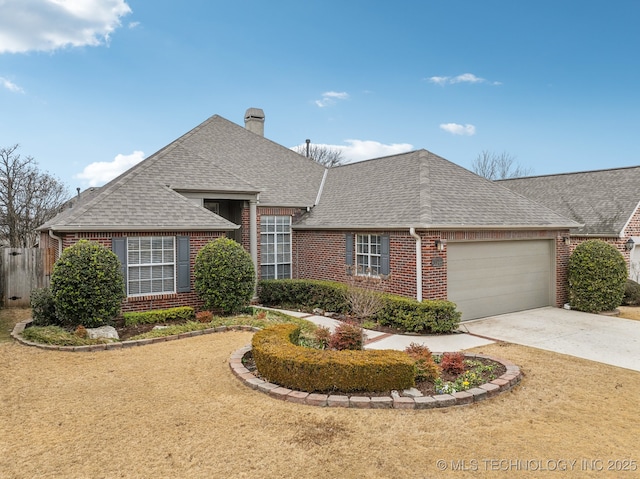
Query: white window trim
x,y
275,235
139,265
368,255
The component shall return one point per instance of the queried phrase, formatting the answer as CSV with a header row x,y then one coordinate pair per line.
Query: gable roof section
x,y
602,200
283,177
425,191
216,156
119,206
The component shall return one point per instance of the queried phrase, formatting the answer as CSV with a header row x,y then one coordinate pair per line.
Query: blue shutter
x,y
348,239
384,255
119,247
183,265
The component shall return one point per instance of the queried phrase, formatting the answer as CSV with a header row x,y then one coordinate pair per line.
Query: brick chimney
x,y
254,120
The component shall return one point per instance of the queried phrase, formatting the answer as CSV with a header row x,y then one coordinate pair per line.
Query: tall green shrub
x,y
87,285
597,276
224,276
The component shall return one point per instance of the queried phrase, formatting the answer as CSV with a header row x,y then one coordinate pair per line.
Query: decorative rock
x,y
412,393
318,311
107,332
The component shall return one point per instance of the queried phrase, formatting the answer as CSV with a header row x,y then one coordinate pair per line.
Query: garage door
x,y
489,278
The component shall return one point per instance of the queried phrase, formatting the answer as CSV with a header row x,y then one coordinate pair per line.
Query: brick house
x,y
605,202
418,224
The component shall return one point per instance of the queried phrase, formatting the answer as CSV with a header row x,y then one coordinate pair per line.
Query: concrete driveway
x,y
605,339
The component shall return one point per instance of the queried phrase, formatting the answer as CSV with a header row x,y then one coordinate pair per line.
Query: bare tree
x,y
494,166
28,198
322,154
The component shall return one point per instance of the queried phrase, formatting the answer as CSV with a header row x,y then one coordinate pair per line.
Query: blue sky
x,y
89,87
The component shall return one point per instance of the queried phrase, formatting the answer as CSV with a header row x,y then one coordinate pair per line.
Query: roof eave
x,y
435,227
101,228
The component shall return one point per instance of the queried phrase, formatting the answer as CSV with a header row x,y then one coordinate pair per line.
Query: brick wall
x,y
156,301
321,255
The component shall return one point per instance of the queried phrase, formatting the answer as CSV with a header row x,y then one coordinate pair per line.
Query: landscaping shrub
x,y
323,336
631,293
431,316
225,277
204,316
87,285
304,294
426,367
597,277
43,307
180,313
280,360
452,363
347,336
364,300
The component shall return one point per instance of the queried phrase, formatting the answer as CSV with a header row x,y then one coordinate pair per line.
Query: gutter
x,y
412,232
59,240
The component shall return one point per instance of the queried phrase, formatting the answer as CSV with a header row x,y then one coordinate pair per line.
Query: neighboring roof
x,y
602,200
217,156
422,190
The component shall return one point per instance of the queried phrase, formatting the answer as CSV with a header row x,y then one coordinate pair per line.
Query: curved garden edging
x,y
19,328
509,379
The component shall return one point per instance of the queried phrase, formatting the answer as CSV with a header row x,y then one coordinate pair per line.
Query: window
x,y
150,265
368,255
275,247
372,256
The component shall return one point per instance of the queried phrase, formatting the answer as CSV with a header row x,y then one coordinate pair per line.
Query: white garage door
x,y
489,278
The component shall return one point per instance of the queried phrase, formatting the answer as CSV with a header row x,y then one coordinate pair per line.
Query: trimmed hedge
x,y
597,277
431,316
185,313
281,361
303,294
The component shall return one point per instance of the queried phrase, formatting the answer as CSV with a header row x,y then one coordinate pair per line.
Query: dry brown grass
x,y
8,319
175,410
629,312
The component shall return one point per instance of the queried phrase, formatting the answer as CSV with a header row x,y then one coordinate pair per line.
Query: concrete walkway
x,y
596,337
604,339
377,340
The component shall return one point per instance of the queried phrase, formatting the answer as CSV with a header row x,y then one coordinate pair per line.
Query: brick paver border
x,y
509,379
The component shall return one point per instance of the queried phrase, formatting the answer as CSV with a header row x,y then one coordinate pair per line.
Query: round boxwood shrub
x,y
225,278
631,293
597,276
87,285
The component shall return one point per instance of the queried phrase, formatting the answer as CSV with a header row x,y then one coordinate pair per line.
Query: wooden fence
x,y
22,270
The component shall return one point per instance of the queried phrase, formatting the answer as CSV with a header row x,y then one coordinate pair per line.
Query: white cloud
x,y
47,25
358,150
101,172
9,85
330,97
464,78
456,129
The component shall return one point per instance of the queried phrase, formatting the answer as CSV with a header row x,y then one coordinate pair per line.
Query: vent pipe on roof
x,y
308,142
254,121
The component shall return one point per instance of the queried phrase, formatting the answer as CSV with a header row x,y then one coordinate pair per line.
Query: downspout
x,y
412,232
59,240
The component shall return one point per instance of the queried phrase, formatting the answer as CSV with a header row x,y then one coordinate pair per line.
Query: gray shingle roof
x,y
422,190
216,156
602,200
